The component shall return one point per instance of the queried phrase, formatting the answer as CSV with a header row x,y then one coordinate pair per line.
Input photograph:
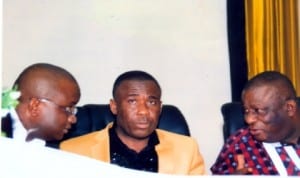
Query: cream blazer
x,y
177,154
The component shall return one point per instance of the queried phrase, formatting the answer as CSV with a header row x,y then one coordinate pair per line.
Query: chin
x,y
142,136
58,137
261,138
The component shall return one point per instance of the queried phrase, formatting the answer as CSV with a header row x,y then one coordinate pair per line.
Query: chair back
x,y
233,118
94,117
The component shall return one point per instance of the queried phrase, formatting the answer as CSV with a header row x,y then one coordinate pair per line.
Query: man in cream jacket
x,y
133,140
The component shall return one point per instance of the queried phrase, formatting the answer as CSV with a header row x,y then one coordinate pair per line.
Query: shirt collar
x,y
153,138
19,132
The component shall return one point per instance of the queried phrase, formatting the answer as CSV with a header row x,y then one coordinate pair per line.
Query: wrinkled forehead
x,y
47,86
63,88
144,85
262,94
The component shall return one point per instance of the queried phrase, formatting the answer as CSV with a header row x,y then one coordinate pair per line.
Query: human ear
x,y
33,107
113,106
291,107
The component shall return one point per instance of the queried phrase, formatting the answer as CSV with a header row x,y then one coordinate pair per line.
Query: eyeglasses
x,y
260,112
69,110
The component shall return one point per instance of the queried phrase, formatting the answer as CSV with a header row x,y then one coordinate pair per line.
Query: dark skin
x,y
271,118
47,120
137,106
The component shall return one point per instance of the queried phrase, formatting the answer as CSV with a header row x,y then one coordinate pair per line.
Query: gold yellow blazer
x,y
177,154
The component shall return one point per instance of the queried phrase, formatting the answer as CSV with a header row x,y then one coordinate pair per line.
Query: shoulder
x,y
87,140
170,134
166,136
239,135
241,138
183,149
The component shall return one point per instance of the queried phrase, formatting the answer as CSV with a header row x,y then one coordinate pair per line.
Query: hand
x,y
241,168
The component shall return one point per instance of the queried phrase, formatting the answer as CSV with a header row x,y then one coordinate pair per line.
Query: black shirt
x,y
120,154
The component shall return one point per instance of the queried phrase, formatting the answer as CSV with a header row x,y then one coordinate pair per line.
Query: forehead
x,y
261,95
138,86
61,90
67,88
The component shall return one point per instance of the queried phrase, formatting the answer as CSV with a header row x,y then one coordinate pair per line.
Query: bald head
x,y
44,80
48,93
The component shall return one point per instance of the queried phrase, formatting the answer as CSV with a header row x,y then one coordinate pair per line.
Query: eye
x,y
256,111
260,111
153,102
71,110
131,101
246,111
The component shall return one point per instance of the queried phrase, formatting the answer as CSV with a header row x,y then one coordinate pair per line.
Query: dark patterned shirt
x,y
120,154
253,151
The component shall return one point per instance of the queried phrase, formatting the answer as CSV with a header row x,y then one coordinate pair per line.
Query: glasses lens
x,y
71,110
74,110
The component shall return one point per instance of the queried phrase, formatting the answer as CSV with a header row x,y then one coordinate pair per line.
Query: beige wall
x,y
182,43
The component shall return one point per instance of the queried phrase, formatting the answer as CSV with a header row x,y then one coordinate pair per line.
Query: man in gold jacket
x,y
133,140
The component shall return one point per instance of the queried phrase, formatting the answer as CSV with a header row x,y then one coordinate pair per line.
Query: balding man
x,y
270,145
46,106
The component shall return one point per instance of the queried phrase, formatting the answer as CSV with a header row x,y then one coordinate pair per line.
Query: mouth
x,y
66,129
142,125
255,132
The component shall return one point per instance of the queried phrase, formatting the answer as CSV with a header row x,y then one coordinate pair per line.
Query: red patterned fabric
x,y
287,161
253,151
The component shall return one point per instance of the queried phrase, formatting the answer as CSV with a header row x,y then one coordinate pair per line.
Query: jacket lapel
x,y
165,154
101,149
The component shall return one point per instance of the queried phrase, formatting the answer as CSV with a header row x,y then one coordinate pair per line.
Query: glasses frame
x,y
257,112
262,112
70,110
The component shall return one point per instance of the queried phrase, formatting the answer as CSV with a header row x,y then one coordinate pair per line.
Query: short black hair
x,y
133,75
273,78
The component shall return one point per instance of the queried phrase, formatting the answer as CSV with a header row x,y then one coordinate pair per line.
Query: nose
x,y
143,108
250,118
72,119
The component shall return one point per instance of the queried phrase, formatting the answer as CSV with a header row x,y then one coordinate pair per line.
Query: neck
x,y
133,143
294,138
